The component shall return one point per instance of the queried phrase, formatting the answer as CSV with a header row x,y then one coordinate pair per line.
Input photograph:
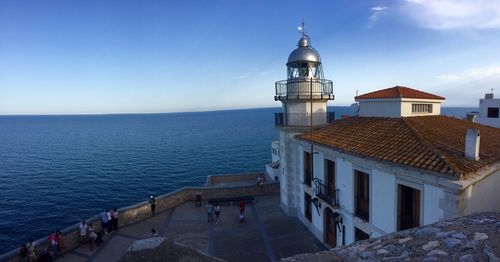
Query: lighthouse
x,y
304,96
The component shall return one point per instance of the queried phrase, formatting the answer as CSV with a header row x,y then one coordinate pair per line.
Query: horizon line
x,y
175,112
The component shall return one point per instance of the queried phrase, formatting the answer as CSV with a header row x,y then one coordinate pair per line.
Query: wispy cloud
x,y
263,73
377,12
454,14
474,74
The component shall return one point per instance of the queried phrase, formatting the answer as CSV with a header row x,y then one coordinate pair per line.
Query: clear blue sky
x,y
65,57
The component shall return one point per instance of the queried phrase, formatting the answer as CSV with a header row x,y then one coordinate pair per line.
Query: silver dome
x,y
304,54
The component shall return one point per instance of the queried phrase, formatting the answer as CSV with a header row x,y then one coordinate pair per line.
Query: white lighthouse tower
x,y
304,96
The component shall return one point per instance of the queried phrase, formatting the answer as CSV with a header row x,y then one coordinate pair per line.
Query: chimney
x,y
472,144
471,117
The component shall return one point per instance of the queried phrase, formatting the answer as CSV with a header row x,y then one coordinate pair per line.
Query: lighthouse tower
x,y
304,96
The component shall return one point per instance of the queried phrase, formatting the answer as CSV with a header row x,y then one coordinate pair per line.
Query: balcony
x,y
301,119
327,194
304,89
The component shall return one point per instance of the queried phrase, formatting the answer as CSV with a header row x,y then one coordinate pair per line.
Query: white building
x,y
489,111
397,165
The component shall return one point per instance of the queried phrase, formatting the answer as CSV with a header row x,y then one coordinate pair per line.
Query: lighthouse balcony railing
x,y
304,88
303,119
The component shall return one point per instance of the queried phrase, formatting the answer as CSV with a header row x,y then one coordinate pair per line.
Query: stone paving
x,y
267,235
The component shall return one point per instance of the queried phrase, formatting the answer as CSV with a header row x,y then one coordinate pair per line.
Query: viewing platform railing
x,y
301,119
303,89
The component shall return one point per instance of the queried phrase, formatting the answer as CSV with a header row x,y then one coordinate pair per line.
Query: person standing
x,y
259,181
53,243
217,213
31,251
110,221
114,217
83,233
93,236
104,221
242,207
60,241
152,203
23,253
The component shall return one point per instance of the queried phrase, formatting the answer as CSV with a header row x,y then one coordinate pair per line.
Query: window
x,y
421,108
408,207
330,178
307,206
362,195
492,112
307,168
360,235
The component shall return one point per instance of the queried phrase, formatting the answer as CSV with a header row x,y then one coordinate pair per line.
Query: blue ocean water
x,y
58,170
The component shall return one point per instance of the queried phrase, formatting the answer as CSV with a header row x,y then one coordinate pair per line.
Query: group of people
x,y
88,233
55,249
217,211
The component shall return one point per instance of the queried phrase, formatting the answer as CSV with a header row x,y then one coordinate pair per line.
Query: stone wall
x,y
215,179
470,238
138,212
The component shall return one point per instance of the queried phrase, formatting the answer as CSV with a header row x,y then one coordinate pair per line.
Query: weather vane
x,y
301,28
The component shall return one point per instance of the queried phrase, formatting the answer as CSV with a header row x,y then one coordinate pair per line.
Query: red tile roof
x,y
398,92
434,143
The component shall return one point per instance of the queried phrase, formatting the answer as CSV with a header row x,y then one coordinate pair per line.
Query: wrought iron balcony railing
x,y
304,89
301,119
327,194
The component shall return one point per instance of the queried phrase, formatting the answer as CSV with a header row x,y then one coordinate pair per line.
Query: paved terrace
x,y
268,234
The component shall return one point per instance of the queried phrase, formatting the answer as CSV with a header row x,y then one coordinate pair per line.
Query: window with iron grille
x,y
421,108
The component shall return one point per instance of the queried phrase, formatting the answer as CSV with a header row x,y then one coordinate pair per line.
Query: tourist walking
x,y
242,206
104,221
152,203
31,251
114,219
23,253
217,213
60,242
92,236
83,233
53,243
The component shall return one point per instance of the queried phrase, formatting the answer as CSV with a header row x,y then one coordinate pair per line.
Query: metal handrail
x,y
303,86
303,119
327,194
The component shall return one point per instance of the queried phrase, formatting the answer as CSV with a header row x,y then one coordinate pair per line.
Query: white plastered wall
x,y
383,199
482,195
432,197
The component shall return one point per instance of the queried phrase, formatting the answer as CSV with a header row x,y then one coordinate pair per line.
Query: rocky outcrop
x,y
470,238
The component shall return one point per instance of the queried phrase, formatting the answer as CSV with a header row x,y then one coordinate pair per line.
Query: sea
x,y
58,170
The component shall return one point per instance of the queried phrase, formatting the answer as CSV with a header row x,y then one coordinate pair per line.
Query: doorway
x,y
408,207
329,228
